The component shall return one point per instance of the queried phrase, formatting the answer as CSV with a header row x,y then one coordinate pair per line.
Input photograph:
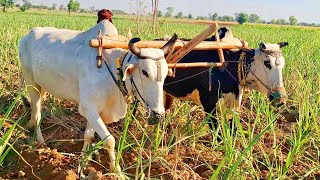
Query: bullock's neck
x,y
129,58
244,65
112,56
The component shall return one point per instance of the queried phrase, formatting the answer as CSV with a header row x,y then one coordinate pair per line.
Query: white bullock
x,y
61,63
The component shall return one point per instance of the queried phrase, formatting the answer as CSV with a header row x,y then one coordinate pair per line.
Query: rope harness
x,y
121,84
243,70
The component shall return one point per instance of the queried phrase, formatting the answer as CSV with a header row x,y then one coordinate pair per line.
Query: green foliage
x,y
73,5
6,4
190,16
242,17
24,8
279,21
226,18
26,5
169,11
179,15
159,14
293,20
214,17
253,18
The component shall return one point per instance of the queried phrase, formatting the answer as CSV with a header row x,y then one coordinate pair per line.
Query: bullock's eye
x,y
267,64
145,73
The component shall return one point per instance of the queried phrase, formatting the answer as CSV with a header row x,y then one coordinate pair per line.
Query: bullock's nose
x,y
278,98
155,118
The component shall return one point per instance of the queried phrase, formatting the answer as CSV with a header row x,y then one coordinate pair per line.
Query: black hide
x,y
223,80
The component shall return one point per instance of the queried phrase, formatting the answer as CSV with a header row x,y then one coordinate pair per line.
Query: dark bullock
x,y
258,69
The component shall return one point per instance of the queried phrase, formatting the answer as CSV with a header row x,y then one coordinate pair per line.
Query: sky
x,y
303,10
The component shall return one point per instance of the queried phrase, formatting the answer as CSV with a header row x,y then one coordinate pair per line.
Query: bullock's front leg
x,y
88,136
208,102
93,118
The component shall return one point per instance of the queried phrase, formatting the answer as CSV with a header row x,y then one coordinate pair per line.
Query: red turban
x,y
104,14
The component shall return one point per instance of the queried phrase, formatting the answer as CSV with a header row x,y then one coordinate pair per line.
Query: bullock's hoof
x,y
152,121
155,118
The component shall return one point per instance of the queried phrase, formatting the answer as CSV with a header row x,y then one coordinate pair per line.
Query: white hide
x,y
272,78
61,63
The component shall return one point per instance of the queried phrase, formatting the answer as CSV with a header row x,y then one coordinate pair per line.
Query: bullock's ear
x,y
283,44
262,46
129,71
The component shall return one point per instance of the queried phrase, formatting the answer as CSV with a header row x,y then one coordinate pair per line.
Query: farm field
x,y
269,143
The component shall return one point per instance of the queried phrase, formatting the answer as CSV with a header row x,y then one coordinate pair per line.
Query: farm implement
x,y
180,48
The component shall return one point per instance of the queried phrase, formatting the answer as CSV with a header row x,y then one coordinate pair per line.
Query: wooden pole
x,y
191,44
220,51
193,65
205,45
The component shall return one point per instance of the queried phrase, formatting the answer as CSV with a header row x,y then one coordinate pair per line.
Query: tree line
x,y
74,6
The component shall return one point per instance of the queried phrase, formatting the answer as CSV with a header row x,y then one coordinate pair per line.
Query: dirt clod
x,y
95,175
21,174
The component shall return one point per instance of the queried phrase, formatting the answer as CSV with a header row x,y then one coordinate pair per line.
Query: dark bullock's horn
x,y
283,44
169,44
134,49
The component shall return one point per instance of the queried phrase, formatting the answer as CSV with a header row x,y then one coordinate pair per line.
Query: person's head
x,y
104,14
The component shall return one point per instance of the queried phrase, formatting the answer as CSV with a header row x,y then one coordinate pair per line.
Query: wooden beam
x,y
193,65
205,45
193,43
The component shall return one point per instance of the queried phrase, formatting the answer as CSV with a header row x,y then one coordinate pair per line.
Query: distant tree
x,y
83,11
202,17
190,16
169,12
159,13
253,18
293,20
179,15
26,5
242,17
6,4
214,17
117,11
281,21
273,21
226,18
73,5
54,6
304,24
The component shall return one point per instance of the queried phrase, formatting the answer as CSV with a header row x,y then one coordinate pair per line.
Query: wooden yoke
x,y
193,43
99,49
220,51
182,47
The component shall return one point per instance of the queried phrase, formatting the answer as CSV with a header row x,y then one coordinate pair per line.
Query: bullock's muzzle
x,y
278,97
155,118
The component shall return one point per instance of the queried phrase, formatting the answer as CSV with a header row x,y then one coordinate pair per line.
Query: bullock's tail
x,y
26,101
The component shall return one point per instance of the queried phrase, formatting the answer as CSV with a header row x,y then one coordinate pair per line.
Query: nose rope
x,y
134,88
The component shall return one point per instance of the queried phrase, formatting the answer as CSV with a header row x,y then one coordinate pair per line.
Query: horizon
x,y
305,11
